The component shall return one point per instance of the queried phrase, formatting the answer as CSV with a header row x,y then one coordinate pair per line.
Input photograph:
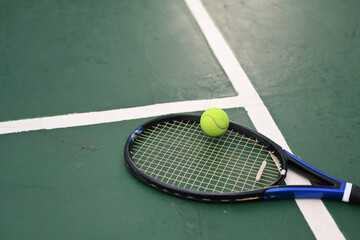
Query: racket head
x,y
172,154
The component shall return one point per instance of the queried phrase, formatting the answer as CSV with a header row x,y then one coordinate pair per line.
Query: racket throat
x,y
305,192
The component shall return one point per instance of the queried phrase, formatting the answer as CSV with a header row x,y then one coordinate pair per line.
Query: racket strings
x,y
228,154
199,132
271,170
178,175
180,154
196,183
225,164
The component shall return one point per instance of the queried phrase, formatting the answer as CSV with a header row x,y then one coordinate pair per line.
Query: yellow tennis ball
x,y
214,122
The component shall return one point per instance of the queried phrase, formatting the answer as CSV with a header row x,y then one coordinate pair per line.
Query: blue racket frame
x,y
290,192
326,187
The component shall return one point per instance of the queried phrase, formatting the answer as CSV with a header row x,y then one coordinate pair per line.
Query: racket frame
x,y
330,187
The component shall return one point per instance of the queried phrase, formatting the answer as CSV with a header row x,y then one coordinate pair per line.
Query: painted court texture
x,y
84,74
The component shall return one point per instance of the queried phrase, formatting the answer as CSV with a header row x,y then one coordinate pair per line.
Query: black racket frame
x,y
257,194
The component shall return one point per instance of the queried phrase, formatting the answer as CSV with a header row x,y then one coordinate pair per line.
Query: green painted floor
x,y
303,58
81,56
72,184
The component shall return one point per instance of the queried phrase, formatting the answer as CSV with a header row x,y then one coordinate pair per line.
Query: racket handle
x,y
355,194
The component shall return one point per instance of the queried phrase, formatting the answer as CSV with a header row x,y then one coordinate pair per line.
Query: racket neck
x,y
314,175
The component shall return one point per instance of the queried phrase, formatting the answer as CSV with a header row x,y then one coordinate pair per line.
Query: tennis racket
x,y
172,154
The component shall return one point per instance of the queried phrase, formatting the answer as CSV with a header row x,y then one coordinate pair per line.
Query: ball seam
x,y
214,122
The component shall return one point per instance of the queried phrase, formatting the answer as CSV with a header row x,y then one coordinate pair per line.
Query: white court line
x,y
313,210
92,118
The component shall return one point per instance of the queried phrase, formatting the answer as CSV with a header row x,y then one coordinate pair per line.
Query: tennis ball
x,y
214,122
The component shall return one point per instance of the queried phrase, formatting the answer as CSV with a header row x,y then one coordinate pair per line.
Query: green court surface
x,y
81,56
72,184
66,57
304,62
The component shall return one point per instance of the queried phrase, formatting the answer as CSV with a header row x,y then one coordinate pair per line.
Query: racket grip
x,y
355,194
